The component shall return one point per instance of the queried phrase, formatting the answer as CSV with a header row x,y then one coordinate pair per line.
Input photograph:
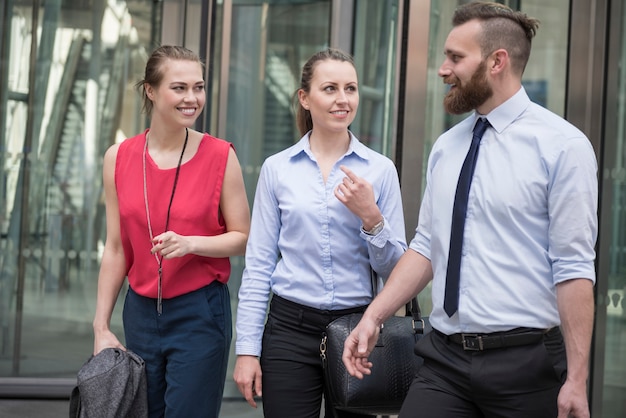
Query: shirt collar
x,y
505,114
356,147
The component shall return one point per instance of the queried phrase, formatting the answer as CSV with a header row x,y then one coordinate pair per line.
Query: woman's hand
x,y
247,375
170,245
106,339
357,194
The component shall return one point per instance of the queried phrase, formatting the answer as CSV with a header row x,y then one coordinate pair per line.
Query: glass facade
x,y
269,42
67,74
610,375
66,95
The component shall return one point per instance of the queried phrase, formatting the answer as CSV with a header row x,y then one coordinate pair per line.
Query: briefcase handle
x,y
412,307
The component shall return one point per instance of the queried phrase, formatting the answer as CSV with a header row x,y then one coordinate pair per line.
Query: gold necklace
x,y
167,219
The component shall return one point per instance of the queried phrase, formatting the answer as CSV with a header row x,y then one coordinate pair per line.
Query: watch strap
x,y
375,229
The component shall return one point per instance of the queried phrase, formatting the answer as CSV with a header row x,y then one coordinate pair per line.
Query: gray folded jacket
x,y
111,384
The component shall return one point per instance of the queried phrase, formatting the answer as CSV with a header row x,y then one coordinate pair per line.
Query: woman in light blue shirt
x,y
326,211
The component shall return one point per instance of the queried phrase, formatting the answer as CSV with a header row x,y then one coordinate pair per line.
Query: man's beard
x,y
462,99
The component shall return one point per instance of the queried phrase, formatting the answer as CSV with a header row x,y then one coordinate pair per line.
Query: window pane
x,y
80,101
611,307
270,42
375,53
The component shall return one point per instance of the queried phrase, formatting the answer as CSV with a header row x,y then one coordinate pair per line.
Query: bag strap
x,y
412,307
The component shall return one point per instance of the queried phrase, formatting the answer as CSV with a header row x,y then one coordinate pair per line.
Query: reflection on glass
x,y
56,122
614,190
270,41
375,52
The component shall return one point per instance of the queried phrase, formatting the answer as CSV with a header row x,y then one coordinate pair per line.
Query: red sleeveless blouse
x,y
195,211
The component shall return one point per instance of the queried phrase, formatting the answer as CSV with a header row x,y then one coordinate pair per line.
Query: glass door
x,y
66,95
609,374
376,51
268,42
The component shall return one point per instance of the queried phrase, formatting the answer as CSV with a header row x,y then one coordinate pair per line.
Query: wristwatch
x,y
376,229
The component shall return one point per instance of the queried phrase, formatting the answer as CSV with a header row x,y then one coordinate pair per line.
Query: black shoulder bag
x,y
394,363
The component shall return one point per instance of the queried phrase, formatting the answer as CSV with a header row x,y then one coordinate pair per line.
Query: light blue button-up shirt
x,y
306,246
531,218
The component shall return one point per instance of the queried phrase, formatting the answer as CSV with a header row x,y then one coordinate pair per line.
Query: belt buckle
x,y
472,342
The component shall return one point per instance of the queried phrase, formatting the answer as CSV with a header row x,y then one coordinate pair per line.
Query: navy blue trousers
x,y
293,379
512,382
185,349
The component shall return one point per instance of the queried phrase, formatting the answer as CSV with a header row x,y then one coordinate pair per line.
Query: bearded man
x,y
506,233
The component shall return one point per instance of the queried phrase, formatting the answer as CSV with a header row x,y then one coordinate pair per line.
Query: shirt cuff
x,y
379,240
247,349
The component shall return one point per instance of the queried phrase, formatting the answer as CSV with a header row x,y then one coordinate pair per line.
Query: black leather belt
x,y
480,342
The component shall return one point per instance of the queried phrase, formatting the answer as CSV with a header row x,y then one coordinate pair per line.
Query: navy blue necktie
x,y
451,301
